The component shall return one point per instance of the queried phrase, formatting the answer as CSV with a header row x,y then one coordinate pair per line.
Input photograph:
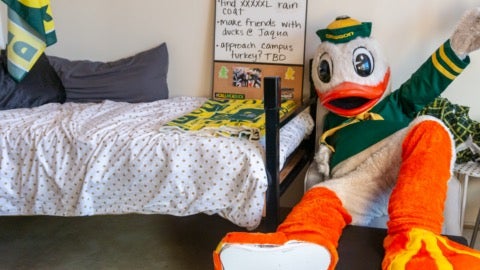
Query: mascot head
x,y
349,72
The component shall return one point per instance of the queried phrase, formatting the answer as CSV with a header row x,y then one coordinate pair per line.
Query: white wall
x,y
110,29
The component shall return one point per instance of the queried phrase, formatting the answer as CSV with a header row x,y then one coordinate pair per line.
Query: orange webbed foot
x,y
422,249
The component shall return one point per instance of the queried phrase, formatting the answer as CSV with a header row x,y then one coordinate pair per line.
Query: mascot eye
x,y
325,69
363,62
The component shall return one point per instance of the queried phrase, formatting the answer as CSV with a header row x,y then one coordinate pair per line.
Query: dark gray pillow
x,y
138,78
40,86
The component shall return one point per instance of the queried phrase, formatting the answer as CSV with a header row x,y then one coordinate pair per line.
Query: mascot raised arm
x,y
374,152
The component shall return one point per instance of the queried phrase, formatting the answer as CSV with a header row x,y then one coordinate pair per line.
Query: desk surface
x,y
362,248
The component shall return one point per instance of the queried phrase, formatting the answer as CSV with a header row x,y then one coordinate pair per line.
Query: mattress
x,y
80,159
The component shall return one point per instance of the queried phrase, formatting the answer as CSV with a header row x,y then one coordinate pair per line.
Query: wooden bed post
x,y
272,103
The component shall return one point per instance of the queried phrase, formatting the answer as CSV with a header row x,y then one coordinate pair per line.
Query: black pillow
x,y
138,78
40,86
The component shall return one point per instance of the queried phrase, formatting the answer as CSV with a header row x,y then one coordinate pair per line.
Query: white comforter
x,y
110,158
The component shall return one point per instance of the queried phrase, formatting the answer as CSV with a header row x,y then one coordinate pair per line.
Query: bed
x,y
81,138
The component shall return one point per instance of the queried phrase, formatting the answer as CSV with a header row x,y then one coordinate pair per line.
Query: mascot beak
x,y
350,99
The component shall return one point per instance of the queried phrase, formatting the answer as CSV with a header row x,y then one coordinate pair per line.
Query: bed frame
x,y
280,180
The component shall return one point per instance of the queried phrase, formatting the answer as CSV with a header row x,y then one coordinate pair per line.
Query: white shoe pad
x,y
292,255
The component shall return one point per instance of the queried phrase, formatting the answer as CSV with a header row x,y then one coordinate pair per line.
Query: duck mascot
x,y
376,154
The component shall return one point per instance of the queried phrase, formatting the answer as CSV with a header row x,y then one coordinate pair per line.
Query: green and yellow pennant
x,y
30,31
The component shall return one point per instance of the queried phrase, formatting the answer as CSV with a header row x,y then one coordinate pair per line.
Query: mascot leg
x,y
417,202
307,239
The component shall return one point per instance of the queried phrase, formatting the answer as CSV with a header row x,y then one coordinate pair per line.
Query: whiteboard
x,y
260,31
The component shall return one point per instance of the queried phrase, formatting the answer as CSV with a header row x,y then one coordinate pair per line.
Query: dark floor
x,y
131,242
110,242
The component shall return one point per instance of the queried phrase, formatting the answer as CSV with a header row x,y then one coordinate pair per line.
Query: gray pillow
x,y
138,78
40,86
